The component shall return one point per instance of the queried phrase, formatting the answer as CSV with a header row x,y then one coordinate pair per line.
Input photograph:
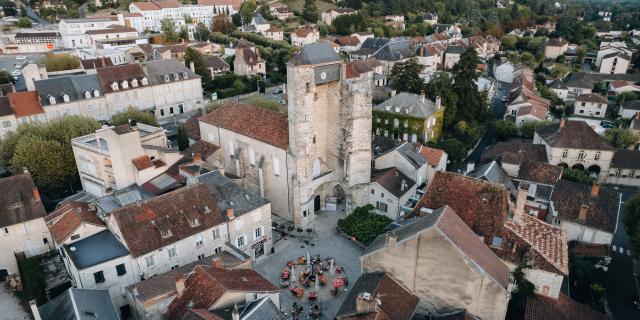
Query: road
x,y
33,16
622,291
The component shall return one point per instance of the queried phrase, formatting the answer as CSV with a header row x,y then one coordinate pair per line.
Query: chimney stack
x,y
403,185
521,201
36,194
595,189
393,92
392,239
438,102
180,284
422,97
563,122
582,214
230,214
365,303
235,314
217,263
192,66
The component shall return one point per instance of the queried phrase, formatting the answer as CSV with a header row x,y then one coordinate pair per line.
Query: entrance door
x,y
258,251
125,312
3,274
316,204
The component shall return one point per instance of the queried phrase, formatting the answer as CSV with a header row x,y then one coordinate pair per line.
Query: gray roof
x,y
96,249
381,145
230,195
259,19
261,309
588,80
74,86
407,151
315,53
367,282
493,172
626,159
119,199
396,49
156,70
80,304
372,45
455,49
410,104
557,84
87,20
631,105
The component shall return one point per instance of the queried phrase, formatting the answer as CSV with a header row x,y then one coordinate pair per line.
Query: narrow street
x,y
622,291
33,16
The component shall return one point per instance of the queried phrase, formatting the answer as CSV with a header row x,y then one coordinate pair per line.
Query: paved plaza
x,y
323,241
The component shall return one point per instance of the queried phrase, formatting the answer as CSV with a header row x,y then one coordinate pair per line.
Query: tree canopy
x,y
310,11
134,114
405,76
168,29
6,77
247,10
60,62
632,222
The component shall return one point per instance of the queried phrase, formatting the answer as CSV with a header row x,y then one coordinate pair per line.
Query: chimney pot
x,y
582,214
36,194
563,122
230,214
180,284
197,157
595,189
217,263
34,310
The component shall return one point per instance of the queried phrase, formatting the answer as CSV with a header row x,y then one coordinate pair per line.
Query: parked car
x,y
607,124
16,73
21,58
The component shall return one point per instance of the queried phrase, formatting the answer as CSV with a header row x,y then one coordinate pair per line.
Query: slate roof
x,y
455,230
584,249
391,179
543,308
514,152
156,69
143,224
20,200
371,45
626,159
74,304
73,86
164,284
27,35
397,302
230,195
259,309
5,107
267,126
631,105
410,104
455,50
493,172
574,135
315,53
95,249
602,214
108,75
66,219
539,172
215,62
592,97
206,284
381,145
396,49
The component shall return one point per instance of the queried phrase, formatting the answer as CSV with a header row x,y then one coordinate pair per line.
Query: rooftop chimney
x,y
393,92
595,189
230,214
521,201
392,239
403,185
365,303
422,98
235,314
192,66
563,121
582,214
180,284
36,194
217,263
438,102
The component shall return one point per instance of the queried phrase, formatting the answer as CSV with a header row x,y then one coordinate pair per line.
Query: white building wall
x,y
578,232
27,237
591,109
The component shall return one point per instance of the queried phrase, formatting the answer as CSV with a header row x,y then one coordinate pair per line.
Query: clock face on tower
x,y
327,73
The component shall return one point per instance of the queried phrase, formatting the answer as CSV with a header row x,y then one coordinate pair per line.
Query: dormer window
x,y
185,75
52,100
134,83
166,78
163,227
87,95
65,97
176,77
192,216
144,81
114,86
125,84
388,108
96,93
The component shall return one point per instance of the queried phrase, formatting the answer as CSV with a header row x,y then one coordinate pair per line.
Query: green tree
x,y
310,11
134,114
621,137
528,128
626,96
183,34
509,42
576,175
405,76
441,85
247,10
222,24
470,102
455,150
354,4
6,77
60,62
364,224
632,222
236,18
168,29
348,24
24,22
183,139
92,8
524,289
505,130
202,32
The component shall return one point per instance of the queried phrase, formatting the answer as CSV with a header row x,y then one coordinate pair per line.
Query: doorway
x,y
316,203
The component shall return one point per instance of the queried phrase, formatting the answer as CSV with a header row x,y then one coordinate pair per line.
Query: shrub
x,y
364,224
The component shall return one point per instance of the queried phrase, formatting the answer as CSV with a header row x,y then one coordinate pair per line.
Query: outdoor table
x,y
313,295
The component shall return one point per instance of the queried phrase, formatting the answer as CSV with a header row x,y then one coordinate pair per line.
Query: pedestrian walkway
x,y
10,308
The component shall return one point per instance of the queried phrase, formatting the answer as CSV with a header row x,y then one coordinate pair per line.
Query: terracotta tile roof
x,y
592,97
114,28
432,155
192,126
583,249
258,123
392,179
207,284
543,308
303,32
128,72
200,314
146,6
348,41
482,205
164,284
548,241
203,148
535,110
160,221
397,302
234,3
20,200
251,56
25,103
273,29
574,134
514,152
96,63
168,3
540,172
67,218
142,162
602,211
557,42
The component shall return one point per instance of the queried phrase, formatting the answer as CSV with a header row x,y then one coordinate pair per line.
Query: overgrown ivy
x,y
408,124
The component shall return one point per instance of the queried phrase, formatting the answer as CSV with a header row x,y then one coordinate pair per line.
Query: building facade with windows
x,y
625,168
591,105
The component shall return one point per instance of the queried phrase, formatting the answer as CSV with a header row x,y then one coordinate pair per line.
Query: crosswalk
x,y
621,250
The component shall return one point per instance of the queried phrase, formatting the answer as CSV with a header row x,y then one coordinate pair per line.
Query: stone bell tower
x,y
329,132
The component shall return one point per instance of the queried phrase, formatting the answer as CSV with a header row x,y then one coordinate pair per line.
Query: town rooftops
x,y
114,28
392,180
230,195
558,85
204,148
557,42
28,35
165,219
396,301
215,62
268,126
262,308
514,152
570,199
146,6
455,50
395,50
626,159
79,304
315,53
164,284
20,201
156,70
456,230
539,172
493,172
616,55
5,106
539,307
221,3
206,284
573,135
67,218
88,64
25,103
432,155
95,249
76,88
117,74
592,97
410,104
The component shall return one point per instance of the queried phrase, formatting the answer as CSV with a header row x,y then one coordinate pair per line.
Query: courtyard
x,y
324,241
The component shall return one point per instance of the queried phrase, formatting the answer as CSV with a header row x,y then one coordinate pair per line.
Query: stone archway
x,y
594,171
564,165
578,167
339,193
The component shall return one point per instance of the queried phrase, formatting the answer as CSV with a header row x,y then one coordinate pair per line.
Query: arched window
x,y
134,83
125,84
144,81
65,97
316,168
52,100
